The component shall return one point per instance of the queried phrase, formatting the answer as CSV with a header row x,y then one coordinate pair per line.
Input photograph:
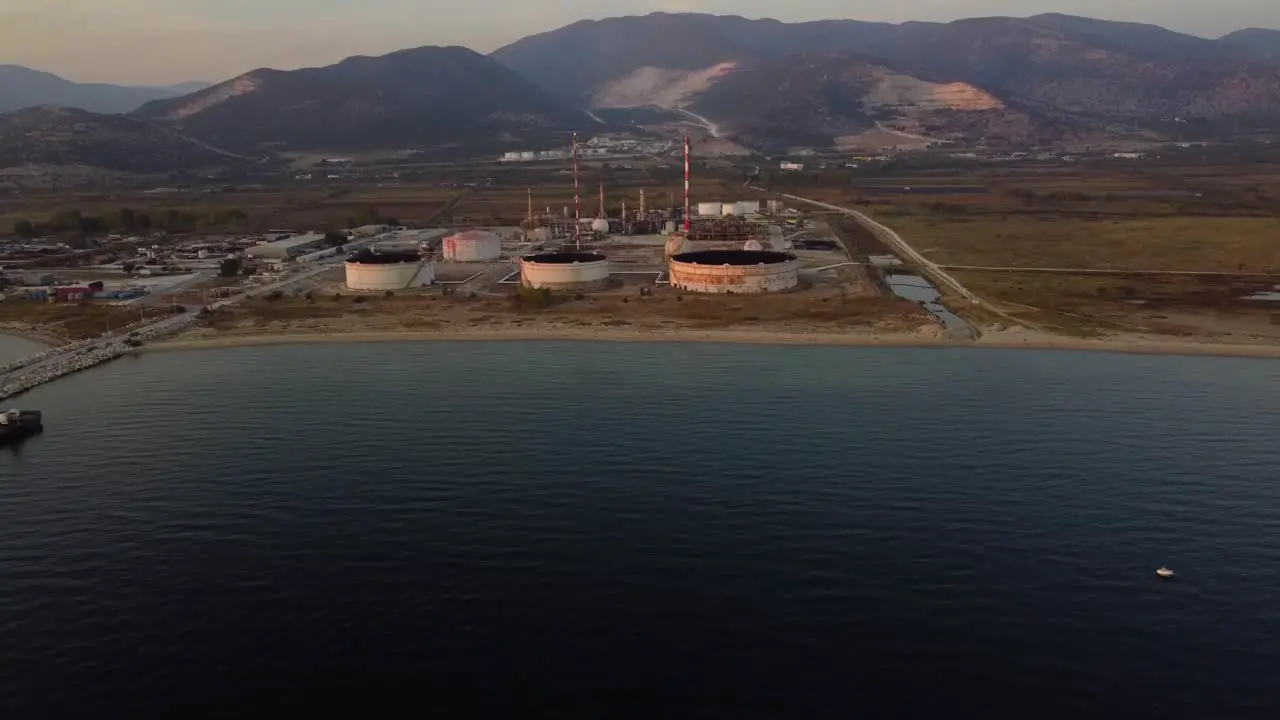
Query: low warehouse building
x,y
564,270
287,248
742,272
368,269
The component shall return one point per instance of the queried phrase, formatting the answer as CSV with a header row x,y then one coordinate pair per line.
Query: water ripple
x,y
724,530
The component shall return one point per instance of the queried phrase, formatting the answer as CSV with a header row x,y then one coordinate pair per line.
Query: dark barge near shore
x,y
18,425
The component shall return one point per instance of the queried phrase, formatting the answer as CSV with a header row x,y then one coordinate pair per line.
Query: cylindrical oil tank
x,y
709,208
600,225
472,246
564,270
728,209
203,255
369,269
669,227
741,272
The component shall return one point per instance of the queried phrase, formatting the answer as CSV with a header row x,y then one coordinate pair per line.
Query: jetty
x,y
46,366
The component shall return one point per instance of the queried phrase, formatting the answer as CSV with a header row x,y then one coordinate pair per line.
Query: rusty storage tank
x,y
566,270
472,246
741,272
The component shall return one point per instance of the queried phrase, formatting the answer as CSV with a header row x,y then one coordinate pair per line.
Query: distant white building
x,y
788,165
1129,155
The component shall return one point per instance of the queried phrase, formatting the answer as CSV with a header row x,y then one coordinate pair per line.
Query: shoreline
x,y
1040,342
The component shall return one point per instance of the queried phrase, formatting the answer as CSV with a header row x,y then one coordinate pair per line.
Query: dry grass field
x,y
67,321
811,310
1207,244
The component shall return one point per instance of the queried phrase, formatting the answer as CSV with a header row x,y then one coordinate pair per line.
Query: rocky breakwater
x,y
43,355
83,355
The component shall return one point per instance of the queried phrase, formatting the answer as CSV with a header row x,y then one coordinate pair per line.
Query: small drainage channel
x,y
913,287
1273,296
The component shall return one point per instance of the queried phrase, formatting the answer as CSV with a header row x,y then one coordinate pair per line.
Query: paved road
x,y
1097,271
899,246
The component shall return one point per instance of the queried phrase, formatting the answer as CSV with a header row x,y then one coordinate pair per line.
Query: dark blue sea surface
x,y
649,530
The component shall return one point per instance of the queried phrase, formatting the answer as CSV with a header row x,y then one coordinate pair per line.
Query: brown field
x,y
1206,244
302,208
1204,307
1114,217
68,322
805,311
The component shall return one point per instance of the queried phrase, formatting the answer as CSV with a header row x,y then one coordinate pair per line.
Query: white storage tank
x,y
472,246
368,269
600,225
728,209
748,207
564,270
709,209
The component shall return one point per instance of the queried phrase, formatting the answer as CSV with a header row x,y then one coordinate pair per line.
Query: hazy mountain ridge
x,y
412,98
1041,81
1068,75
22,87
59,136
1258,43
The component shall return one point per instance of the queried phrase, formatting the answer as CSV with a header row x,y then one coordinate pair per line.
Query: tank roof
x,y
733,257
367,256
564,258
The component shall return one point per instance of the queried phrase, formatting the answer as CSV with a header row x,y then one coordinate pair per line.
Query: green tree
x,y
229,267
334,239
128,220
25,229
91,224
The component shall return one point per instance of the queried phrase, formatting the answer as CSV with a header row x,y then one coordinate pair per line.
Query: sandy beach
x,y
1028,340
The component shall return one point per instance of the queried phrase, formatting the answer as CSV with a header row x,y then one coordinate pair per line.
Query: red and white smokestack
x,y
686,184
577,200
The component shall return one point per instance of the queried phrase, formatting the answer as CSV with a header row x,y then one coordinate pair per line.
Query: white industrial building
x,y
287,248
369,269
715,209
472,246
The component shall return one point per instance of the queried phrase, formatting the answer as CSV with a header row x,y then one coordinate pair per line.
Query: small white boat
x,y
1164,572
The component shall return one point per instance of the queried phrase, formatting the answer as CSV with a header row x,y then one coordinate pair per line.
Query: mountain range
x,y
419,98
1048,80
22,87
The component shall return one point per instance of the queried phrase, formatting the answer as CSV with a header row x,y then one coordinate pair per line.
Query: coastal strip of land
x,y
993,340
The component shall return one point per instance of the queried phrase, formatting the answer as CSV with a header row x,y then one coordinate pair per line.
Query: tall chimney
x,y
642,201
686,184
577,199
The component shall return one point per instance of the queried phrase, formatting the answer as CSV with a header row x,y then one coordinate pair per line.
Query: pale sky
x,y
169,41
